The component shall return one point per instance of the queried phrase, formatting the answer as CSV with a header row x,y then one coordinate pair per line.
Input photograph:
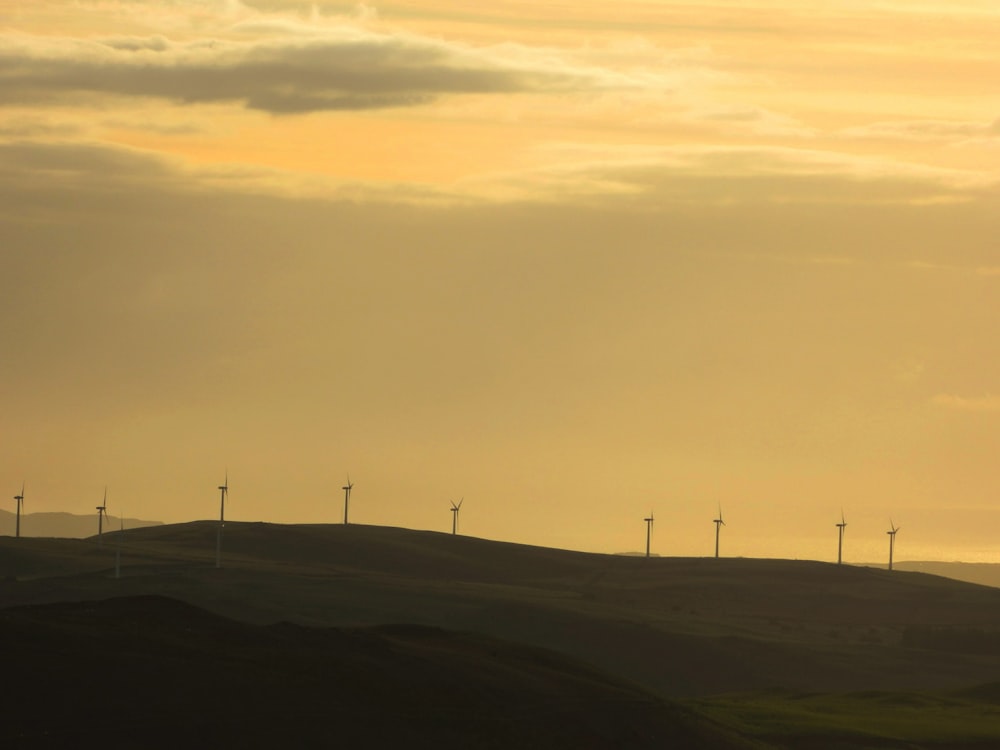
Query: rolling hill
x,y
152,672
691,629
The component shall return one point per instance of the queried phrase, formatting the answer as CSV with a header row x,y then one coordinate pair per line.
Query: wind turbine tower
x,y
454,515
223,491
102,511
840,537
892,540
347,496
719,523
649,530
20,502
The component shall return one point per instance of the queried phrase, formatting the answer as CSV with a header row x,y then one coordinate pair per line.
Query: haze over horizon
x,y
571,262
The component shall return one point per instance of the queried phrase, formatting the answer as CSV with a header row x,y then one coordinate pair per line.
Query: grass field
x,y
919,719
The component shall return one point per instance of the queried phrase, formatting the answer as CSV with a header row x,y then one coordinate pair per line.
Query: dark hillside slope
x,y
676,626
152,672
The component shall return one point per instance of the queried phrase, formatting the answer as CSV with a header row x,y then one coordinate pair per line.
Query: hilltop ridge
x,y
677,626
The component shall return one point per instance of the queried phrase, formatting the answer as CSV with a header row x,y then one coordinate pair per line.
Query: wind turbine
x,y
223,490
347,496
649,530
102,511
840,535
719,523
20,502
892,540
454,515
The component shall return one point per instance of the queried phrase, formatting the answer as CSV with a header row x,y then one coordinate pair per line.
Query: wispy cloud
x,y
573,174
925,130
58,168
24,126
735,174
988,403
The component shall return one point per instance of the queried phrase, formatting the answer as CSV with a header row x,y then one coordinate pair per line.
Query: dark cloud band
x,y
366,72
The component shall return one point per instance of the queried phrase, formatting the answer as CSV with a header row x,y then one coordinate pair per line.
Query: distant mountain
x,y
64,525
986,574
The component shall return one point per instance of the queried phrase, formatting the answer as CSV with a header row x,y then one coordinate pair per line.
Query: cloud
x,y
343,68
55,181
925,130
757,121
24,126
152,126
988,403
87,164
727,175
638,177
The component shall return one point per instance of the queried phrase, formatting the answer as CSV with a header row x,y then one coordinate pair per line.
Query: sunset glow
x,y
569,261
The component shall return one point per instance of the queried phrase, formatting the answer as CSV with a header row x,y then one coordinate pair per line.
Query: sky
x,y
572,262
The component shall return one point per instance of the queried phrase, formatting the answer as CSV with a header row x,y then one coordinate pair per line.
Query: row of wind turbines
x,y
102,512
719,523
223,488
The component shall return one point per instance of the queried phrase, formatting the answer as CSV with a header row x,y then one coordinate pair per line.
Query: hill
x,y
63,525
153,672
677,627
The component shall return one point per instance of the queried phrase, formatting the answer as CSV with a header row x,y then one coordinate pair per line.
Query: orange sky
x,y
570,261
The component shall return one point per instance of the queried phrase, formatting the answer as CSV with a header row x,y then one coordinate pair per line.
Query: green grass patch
x,y
924,718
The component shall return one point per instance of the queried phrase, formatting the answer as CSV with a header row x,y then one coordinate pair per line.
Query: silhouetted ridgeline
x,y
412,633
64,525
